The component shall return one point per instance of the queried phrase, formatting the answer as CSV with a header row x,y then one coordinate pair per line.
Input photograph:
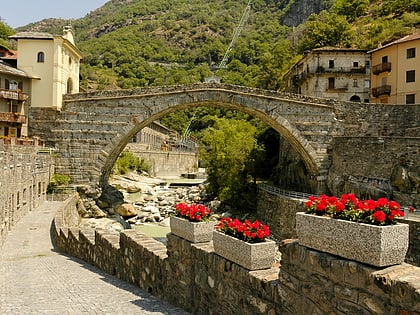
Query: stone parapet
x,y
24,177
193,277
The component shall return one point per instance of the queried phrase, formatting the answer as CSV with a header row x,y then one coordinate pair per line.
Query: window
x,y
410,76
13,86
40,57
410,99
331,83
331,64
411,53
367,64
367,84
384,59
355,84
355,64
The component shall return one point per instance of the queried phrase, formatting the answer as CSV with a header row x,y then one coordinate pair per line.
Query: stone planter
x,y
378,246
250,256
195,232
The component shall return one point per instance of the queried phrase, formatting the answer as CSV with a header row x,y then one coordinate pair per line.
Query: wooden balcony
x,y
382,67
381,90
12,118
13,95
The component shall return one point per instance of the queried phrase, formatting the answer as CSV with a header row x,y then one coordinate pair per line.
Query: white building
x,y
338,73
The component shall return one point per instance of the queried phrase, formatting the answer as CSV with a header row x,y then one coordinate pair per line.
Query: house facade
x,y
395,74
55,60
14,96
338,73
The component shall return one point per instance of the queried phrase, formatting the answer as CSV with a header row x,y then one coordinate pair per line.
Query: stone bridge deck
x,y
35,279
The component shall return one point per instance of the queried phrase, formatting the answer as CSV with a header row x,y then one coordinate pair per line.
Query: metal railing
x,y
283,192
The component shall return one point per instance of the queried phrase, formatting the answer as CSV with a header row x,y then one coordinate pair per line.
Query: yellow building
x,y
395,75
55,60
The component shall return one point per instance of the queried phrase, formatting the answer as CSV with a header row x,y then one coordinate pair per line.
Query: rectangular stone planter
x,y
250,256
378,246
195,232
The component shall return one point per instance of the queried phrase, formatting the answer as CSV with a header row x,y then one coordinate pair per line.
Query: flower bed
x,y
192,222
350,208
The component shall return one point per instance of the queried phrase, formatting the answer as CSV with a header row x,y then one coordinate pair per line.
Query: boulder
x,y
127,210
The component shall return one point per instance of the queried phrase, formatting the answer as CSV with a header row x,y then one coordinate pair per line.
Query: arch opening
x,y
289,135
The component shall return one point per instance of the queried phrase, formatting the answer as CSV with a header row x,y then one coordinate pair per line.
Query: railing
x,y
282,192
381,90
382,67
13,95
13,118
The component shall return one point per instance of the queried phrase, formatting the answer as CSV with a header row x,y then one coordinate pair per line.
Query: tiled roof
x,y
32,35
408,38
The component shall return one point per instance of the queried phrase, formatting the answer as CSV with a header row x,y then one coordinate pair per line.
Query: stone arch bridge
x,y
92,129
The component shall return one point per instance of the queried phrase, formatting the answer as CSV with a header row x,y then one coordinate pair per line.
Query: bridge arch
x,y
92,129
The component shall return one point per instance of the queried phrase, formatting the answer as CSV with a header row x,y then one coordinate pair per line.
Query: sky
x,y
22,12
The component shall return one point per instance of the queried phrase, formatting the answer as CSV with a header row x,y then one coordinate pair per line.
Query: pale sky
x,y
22,12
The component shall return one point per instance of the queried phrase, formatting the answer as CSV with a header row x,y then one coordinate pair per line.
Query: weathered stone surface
x,y
375,245
195,232
127,210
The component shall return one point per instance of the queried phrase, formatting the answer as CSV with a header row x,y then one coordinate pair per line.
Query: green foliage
x,y
352,9
325,29
57,181
127,162
228,146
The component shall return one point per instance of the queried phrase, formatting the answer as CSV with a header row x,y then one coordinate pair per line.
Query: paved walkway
x,y
35,279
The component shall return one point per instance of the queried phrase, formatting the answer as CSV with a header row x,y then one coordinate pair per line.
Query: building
x,y
395,71
338,73
14,96
55,60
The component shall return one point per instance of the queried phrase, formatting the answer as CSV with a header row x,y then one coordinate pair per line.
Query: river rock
x,y
127,210
133,189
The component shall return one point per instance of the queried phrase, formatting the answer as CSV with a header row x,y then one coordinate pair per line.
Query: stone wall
x,y
166,163
24,176
193,277
279,213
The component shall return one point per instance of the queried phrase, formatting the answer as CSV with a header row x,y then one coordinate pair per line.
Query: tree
x,y
325,29
228,145
352,9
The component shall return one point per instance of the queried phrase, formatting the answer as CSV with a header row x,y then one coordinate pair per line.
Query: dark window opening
x,y
41,57
411,53
410,76
331,64
410,99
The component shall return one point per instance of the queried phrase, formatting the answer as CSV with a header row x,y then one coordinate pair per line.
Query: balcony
x,y
382,67
12,118
13,95
381,90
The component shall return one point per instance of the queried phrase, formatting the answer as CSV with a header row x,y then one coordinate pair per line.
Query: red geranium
x,y
192,212
377,212
251,232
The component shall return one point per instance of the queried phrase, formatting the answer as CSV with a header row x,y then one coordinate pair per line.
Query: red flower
x,y
192,212
379,216
252,232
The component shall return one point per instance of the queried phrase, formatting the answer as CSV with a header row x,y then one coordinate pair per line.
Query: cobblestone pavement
x,y
35,279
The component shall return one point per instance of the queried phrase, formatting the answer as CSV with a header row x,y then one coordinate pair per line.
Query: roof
x,y
408,38
6,69
338,49
31,35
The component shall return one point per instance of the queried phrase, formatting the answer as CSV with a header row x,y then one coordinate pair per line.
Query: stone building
x,y
14,96
329,72
55,60
395,71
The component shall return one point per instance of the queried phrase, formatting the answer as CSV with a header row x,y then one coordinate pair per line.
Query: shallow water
x,y
152,230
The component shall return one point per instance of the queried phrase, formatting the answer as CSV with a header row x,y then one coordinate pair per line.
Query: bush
x,y
127,161
57,180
